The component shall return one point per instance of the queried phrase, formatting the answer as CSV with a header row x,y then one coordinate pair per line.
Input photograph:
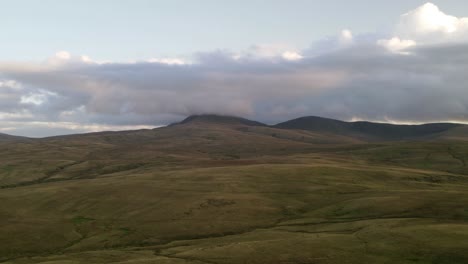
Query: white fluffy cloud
x,y
396,44
349,76
426,25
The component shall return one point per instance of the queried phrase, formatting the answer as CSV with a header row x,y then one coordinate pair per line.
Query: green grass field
x,y
232,194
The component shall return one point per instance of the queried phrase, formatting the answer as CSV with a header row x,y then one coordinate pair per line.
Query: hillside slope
x,y
215,140
369,131
225,191
10,138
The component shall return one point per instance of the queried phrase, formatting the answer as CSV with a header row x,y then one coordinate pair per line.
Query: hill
x,y
219,119
224,190
10,138
369,131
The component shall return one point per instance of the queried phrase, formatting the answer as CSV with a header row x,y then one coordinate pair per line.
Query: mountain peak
x,y
219,119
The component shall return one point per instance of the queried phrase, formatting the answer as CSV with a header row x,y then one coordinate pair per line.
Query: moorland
x,y
217,189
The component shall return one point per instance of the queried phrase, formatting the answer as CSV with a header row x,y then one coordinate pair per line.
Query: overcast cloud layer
x,y
418,73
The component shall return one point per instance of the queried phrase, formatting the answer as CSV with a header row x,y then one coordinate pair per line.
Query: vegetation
x,y
214,191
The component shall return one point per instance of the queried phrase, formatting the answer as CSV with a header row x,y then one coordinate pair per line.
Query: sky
x,y
81,66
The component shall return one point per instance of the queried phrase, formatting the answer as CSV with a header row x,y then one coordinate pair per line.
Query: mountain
x,y
362,130
368,130
219,119
309,129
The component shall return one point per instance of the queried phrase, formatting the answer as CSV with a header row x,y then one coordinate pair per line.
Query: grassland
x,y
232,193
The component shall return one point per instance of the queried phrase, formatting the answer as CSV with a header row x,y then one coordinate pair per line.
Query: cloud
x,y
346,37
291,56
169,61
426,25
63,55
37,98
265,52
396,44
10,84
409,76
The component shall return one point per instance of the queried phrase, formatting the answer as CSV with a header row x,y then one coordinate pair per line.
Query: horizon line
x,y
150,127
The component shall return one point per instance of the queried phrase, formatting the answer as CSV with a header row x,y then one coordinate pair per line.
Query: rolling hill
x,y
319,127
10,138
219,119
215,189
369,131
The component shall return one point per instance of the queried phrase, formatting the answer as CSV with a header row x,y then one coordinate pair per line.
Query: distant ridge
x,y
219,119
367,130
8,138
320,127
